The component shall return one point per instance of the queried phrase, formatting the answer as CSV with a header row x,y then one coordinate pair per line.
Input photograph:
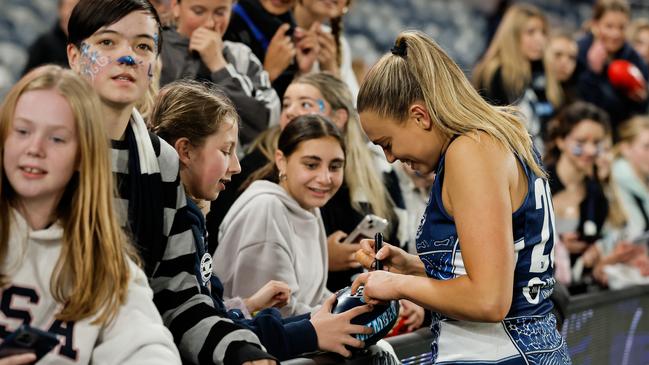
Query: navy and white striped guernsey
x,y
528,334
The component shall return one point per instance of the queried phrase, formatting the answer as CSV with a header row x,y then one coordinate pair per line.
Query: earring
x,y
282,176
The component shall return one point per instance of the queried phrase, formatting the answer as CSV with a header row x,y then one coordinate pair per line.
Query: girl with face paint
x,y
605,43
578,139
114,45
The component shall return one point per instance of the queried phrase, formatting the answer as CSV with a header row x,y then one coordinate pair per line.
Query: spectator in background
x,y
63,251
561,60
268,28
194,49
576,139
50,47
605,43
334,54
638,35
114,45
202,125
630,173
163,7
415,191
274,230
512,71
619,253
362,191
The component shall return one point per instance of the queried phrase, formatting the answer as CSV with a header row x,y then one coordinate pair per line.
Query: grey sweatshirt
x,y
266,235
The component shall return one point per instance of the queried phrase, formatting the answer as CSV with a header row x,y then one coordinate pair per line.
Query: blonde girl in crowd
x,y
513,72
65,258
630,173
561,61
638,35
486,239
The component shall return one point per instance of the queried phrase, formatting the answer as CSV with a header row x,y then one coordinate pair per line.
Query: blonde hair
x,y
629,131
92,272
637,26
617,217
360,175
422,71
504,54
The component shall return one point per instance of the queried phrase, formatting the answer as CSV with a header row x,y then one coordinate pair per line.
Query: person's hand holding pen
x,y
393,258
392,264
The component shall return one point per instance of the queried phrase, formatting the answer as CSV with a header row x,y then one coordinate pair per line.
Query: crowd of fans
x,y
241,166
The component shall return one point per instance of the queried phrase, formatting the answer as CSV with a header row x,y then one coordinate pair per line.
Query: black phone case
x,y
28,339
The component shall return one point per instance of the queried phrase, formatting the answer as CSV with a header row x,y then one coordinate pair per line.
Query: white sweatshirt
x,y
136,335
266,235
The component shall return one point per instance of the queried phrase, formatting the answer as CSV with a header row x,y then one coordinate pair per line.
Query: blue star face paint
x,y
92,61
127,60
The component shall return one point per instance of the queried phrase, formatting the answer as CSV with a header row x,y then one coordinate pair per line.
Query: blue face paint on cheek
x,y
577,150
127,60
321,105
156,39
91,61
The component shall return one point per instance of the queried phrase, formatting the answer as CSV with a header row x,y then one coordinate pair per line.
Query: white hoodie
x,y
266,235
136,335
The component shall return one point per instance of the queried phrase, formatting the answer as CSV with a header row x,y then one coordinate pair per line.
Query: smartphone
x,y
27,339
643,238
369,226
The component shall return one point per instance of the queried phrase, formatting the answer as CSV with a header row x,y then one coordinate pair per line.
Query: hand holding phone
x,y
368,227
27,339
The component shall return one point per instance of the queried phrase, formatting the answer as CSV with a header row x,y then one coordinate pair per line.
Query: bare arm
x,y
479,178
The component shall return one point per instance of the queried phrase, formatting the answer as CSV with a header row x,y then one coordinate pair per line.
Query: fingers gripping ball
x,y
381,319
625,76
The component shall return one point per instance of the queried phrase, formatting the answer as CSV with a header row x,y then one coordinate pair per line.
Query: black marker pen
x,y
378,243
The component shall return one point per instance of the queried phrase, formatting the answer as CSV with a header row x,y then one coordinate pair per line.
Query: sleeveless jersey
x,y
528,334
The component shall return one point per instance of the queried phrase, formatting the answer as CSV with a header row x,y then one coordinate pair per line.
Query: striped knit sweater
x,y
202,333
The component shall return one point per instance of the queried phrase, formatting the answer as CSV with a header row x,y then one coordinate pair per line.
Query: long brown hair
x,y
92,271
303,128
